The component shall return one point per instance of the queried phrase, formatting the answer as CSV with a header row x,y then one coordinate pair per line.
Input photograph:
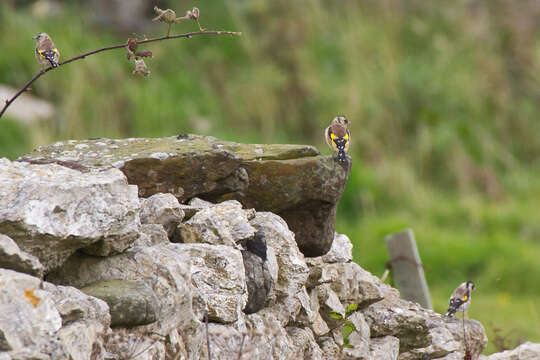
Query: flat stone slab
x,y
130,302
293,181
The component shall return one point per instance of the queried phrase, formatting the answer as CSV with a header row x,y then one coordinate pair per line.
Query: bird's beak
x,y
35,37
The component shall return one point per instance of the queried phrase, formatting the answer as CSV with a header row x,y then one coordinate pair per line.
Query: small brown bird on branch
x,y
46,52
338,137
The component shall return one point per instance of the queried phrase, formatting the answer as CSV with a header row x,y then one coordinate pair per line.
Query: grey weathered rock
x,y
150,235
341,250
290,180
225,223
85,320
359,339
292,272
352,284
258,281
330,349
217,273
11,257
162,209
53,322
304,344
264,339
121,343
303,191
194,205
267,338
52,210
384,348
28,315
422,332
292,269
525,351
163,268
330,306
130,303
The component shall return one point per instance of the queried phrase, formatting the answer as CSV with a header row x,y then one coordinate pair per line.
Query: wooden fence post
x,y
407,267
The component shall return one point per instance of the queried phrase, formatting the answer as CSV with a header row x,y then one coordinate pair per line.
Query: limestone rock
x,y
53,322
304,344
163,268
184,165
225,223
359,338
330,306
525,351
330,349
52,210
28,315
258,281
341,250
11,257
124,344
217,273
131,303
74,305
162,209
422,332
85,320
290,180
351,283
384,348
292,269
267,338
303,191
193,206
150,235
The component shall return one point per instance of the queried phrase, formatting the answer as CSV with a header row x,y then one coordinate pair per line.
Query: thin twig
x,y
241,347
82,56
467,351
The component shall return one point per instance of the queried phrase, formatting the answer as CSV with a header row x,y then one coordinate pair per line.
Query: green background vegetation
x,y
442,96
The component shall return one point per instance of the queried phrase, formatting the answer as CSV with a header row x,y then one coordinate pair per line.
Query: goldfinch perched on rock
x,y
338,137
46,52
460,299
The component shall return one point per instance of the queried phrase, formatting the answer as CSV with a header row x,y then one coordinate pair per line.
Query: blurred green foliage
x,y
443,99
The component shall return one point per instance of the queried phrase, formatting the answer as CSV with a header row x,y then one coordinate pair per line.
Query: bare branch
x,y
120,46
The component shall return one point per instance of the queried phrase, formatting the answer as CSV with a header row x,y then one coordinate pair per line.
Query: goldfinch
x,y
460,299
338,137
46,52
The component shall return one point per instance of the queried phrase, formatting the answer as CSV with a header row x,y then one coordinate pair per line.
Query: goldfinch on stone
x,y
46,52
338,137
460,299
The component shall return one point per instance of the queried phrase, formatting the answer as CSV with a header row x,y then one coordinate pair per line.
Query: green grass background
x,y
443,99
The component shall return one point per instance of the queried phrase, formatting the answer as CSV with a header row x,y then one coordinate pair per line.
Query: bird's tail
x,y
53,62
453,307
340,145
49,55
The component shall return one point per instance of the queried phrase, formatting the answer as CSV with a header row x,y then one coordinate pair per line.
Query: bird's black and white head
x,y
470,285
341,120
40,36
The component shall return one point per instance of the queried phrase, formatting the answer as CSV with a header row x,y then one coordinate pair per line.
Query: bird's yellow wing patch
x,y
465,298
